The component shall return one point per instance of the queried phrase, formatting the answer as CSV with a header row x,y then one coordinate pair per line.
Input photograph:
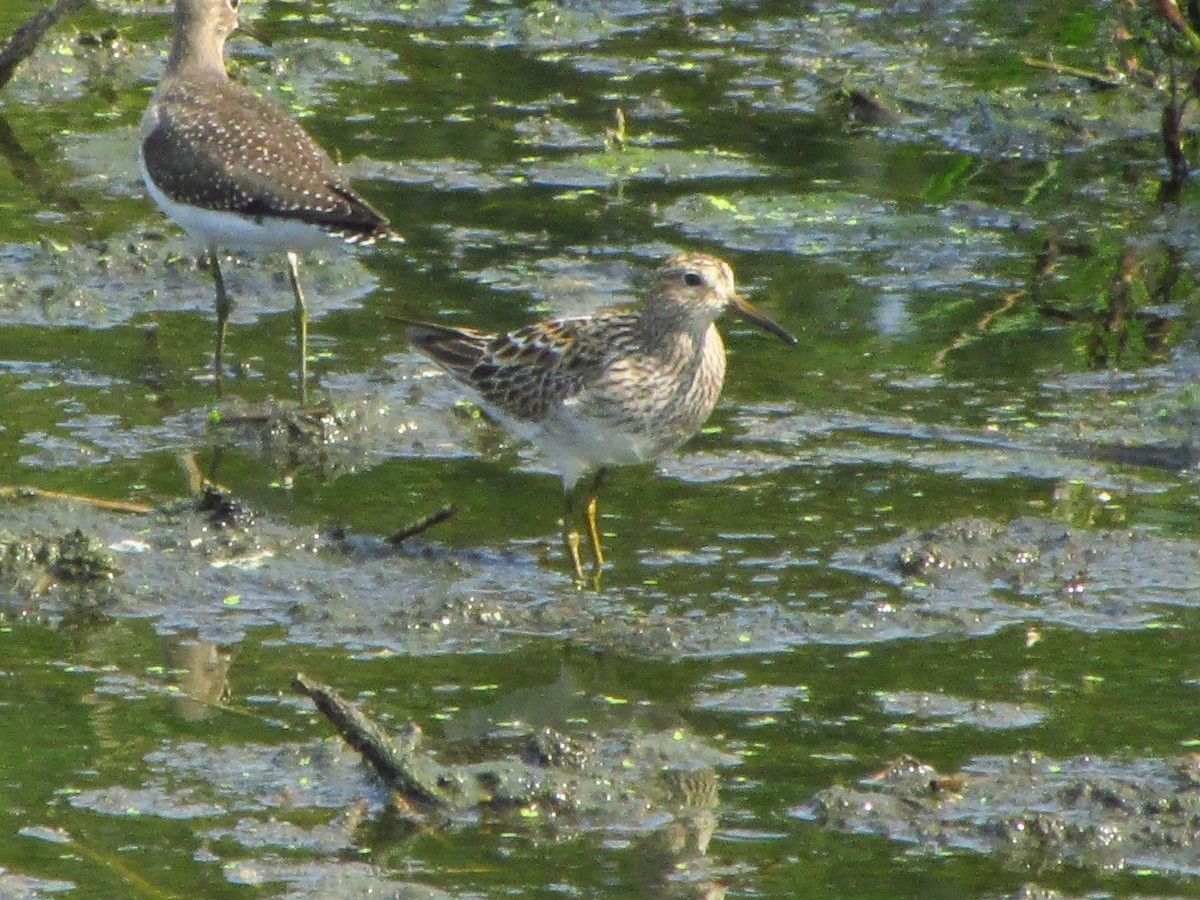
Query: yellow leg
x,y
301,312
570,534
571,537
224,305
572,547
591,514
570,529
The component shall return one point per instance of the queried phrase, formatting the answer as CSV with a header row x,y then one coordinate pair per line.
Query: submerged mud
x,y
1033,812
968,498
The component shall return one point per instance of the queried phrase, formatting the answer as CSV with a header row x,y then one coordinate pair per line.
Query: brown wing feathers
x,y
226,149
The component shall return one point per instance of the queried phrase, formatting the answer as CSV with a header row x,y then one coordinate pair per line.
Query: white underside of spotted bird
x,y
213,228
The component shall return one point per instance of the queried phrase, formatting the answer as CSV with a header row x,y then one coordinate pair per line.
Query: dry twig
x,y
1097,79
125,506
394,763
423,524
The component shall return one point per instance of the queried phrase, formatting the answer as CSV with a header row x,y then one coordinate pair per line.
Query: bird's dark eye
x,y
693,279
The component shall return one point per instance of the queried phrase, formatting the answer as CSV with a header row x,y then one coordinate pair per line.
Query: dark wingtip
x,y
422,333
458,349
426,333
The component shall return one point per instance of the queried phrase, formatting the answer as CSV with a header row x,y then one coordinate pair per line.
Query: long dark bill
x,y
746,310
254,32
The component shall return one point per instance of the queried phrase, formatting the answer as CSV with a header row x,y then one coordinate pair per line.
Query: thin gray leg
x,y
224,305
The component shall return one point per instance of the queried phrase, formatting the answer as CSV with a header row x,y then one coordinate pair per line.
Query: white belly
x,y
575,446
227,229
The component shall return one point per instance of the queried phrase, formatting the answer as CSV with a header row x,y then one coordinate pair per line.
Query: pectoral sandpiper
x,y
611,389
233,169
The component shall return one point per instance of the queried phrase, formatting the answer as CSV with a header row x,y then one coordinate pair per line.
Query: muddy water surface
x,y
915,616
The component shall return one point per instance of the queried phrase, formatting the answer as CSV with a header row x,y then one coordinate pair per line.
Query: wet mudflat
x,y
916,616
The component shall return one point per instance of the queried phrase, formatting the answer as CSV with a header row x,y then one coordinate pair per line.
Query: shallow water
x,y
956,524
